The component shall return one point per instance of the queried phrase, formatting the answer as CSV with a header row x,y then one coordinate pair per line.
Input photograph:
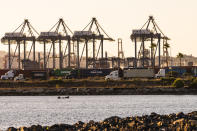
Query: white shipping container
x,y
139,73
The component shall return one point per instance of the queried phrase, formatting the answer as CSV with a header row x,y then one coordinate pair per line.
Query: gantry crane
x,y
88,34
145,34
54,35
24,33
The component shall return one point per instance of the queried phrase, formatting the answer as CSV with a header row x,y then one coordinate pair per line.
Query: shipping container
x,y
84,73
15,34
60,72
83,33
42,75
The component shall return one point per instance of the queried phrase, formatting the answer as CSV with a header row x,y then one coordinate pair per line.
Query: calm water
x,y
48,110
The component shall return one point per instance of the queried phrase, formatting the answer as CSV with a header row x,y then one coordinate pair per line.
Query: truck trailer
x,y
130,73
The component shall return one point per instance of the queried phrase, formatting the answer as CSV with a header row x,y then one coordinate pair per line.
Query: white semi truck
x,y
19,77
167,71
130,73
8,75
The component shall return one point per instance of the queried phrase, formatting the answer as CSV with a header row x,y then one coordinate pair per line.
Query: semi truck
x,y
166,72
19,77
8,75
130,73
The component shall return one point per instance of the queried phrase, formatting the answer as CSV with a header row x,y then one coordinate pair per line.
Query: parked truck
x,y
166,72
8,75
130,73
19,77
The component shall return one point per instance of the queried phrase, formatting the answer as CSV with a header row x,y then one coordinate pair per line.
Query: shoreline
x,y
154,121
95,87
55,91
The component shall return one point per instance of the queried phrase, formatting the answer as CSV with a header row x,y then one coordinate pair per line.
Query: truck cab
x,y
19,77
169,72
114,75
161,73
8,75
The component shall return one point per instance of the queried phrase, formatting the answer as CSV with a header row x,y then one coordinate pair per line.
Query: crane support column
x,y
44,54
53,42
60,54
9,64
86,42
159,41
69,52
112,63
24,52
152,52
143,52
39,58
102,47
135,53
78,62
94,52
19,56
34,51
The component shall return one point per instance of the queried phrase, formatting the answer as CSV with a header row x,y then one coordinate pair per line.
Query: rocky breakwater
x,y
153,122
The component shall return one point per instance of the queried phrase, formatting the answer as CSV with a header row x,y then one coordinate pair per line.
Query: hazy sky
x,y
176,18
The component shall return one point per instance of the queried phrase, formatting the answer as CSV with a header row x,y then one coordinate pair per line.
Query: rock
x,y
80,122
113,118
11,129
131,124
54,127
193,122
23,129
159,124
91,122
180,115
153,114
154,121
36,128
193,113
178,122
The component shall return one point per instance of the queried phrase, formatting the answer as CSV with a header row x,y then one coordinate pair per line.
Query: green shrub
x,y
187,74
137,81
178,83
167,80
193,83
56,81
172,74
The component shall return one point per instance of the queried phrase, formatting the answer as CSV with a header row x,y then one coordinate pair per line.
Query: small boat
x,y
63,97
67,97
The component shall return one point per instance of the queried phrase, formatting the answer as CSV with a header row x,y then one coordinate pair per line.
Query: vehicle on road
x,y
130,73
169,72
8,75
19,77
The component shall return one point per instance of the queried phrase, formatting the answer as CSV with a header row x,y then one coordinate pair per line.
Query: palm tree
x,y
166,46
180,56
